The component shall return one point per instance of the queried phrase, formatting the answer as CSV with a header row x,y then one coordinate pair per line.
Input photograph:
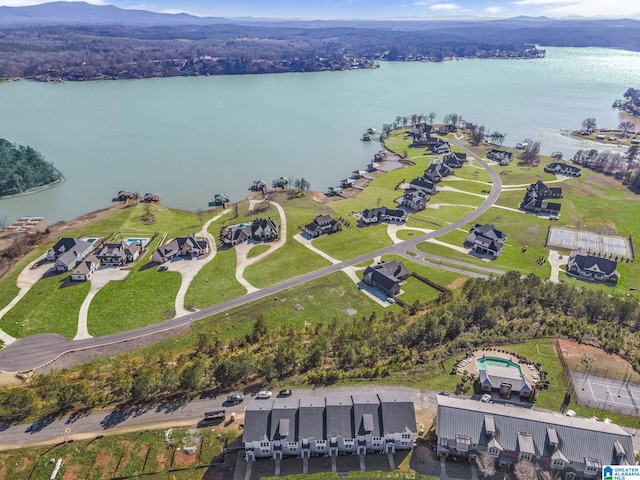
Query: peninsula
x,y
23,169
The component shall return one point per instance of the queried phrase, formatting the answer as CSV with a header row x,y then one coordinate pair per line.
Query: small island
x,y
23,169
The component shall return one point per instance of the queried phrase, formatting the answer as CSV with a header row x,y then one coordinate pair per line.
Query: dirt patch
x,y
457,283
183,460
72,473
603,364
9,379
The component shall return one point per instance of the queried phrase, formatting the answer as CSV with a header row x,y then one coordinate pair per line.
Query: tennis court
x,y
597,242
619,396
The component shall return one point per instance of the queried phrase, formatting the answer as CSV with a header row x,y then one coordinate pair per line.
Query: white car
x,y
264,394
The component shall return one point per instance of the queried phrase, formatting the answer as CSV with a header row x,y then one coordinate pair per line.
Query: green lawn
x,y
354,241
465,185
52,305
293,259
216,282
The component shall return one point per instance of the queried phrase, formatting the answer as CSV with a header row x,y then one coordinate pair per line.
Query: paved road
x,y
171,414
38,350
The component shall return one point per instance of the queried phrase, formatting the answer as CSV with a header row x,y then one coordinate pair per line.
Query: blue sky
x,y
378,9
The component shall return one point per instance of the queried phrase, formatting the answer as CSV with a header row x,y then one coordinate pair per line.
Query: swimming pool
x,y
134,240
481,363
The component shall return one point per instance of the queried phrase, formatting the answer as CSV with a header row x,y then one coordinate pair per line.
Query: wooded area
x,y
499,311
22,168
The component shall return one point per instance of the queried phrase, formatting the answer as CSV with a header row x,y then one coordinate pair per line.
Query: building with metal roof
x,y
329,426
575,447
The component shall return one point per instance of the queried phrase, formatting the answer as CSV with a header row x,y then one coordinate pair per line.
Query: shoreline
x,y
37,189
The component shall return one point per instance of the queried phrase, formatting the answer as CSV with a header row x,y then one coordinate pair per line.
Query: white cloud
x,y
585,8
493,10
28,3
445,7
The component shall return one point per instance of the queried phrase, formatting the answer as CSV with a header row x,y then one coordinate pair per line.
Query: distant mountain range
x,y
82,13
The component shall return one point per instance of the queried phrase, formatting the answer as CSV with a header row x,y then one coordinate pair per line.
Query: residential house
x,y
534,199
503,157
85,269
570,447
439,146
117,254
422,183
437,171
415,199
563,169
386,276
421,128
383,214
590,267
188,246
505,380
322,225
330,426
124,196
540,190
455,159
486,240
260,230
67,253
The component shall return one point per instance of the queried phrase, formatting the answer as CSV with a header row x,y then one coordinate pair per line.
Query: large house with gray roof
x,y
188,246
386,276
590,267
329,426
67,253
260,230
505,380
571,446
486,240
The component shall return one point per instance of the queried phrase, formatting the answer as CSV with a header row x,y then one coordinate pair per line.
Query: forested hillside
x,y
22,168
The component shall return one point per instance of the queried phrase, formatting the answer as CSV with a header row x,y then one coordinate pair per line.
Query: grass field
x,y
118,456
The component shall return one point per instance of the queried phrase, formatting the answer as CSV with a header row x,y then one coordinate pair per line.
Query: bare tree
x,y
486,465
589,124
524,470
531,153
626,126
3,221
431,117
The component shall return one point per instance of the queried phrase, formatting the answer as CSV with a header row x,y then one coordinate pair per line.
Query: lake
x,y
189,138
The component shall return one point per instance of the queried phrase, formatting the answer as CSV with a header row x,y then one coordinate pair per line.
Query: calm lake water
x,y
188,138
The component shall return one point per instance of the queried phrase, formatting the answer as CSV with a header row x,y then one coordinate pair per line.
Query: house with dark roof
x,y
67,253
504,380
455,159
120,253
422,183
559,168
503,157
188,246
591,267
383,214
542,191
415,199
331,426
569,447
260,230
437,171
386,276
85,269
322,225
486,240
439,146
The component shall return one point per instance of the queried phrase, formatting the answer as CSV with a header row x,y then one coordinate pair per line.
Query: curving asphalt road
x,y
39,350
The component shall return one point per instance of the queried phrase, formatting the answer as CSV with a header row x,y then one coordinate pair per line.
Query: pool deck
x,y
531,374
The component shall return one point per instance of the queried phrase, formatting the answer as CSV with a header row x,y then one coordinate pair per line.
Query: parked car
x,y
486,398
444,392
285,393
235,399
264,394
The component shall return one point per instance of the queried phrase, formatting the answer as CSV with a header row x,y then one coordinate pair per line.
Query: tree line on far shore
x,y
22,168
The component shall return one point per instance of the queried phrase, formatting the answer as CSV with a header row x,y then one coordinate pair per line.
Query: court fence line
x,y
628,379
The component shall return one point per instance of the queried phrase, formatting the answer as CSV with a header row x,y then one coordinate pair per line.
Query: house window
x,y
406,435
558,462
493,451
524,456
264,444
